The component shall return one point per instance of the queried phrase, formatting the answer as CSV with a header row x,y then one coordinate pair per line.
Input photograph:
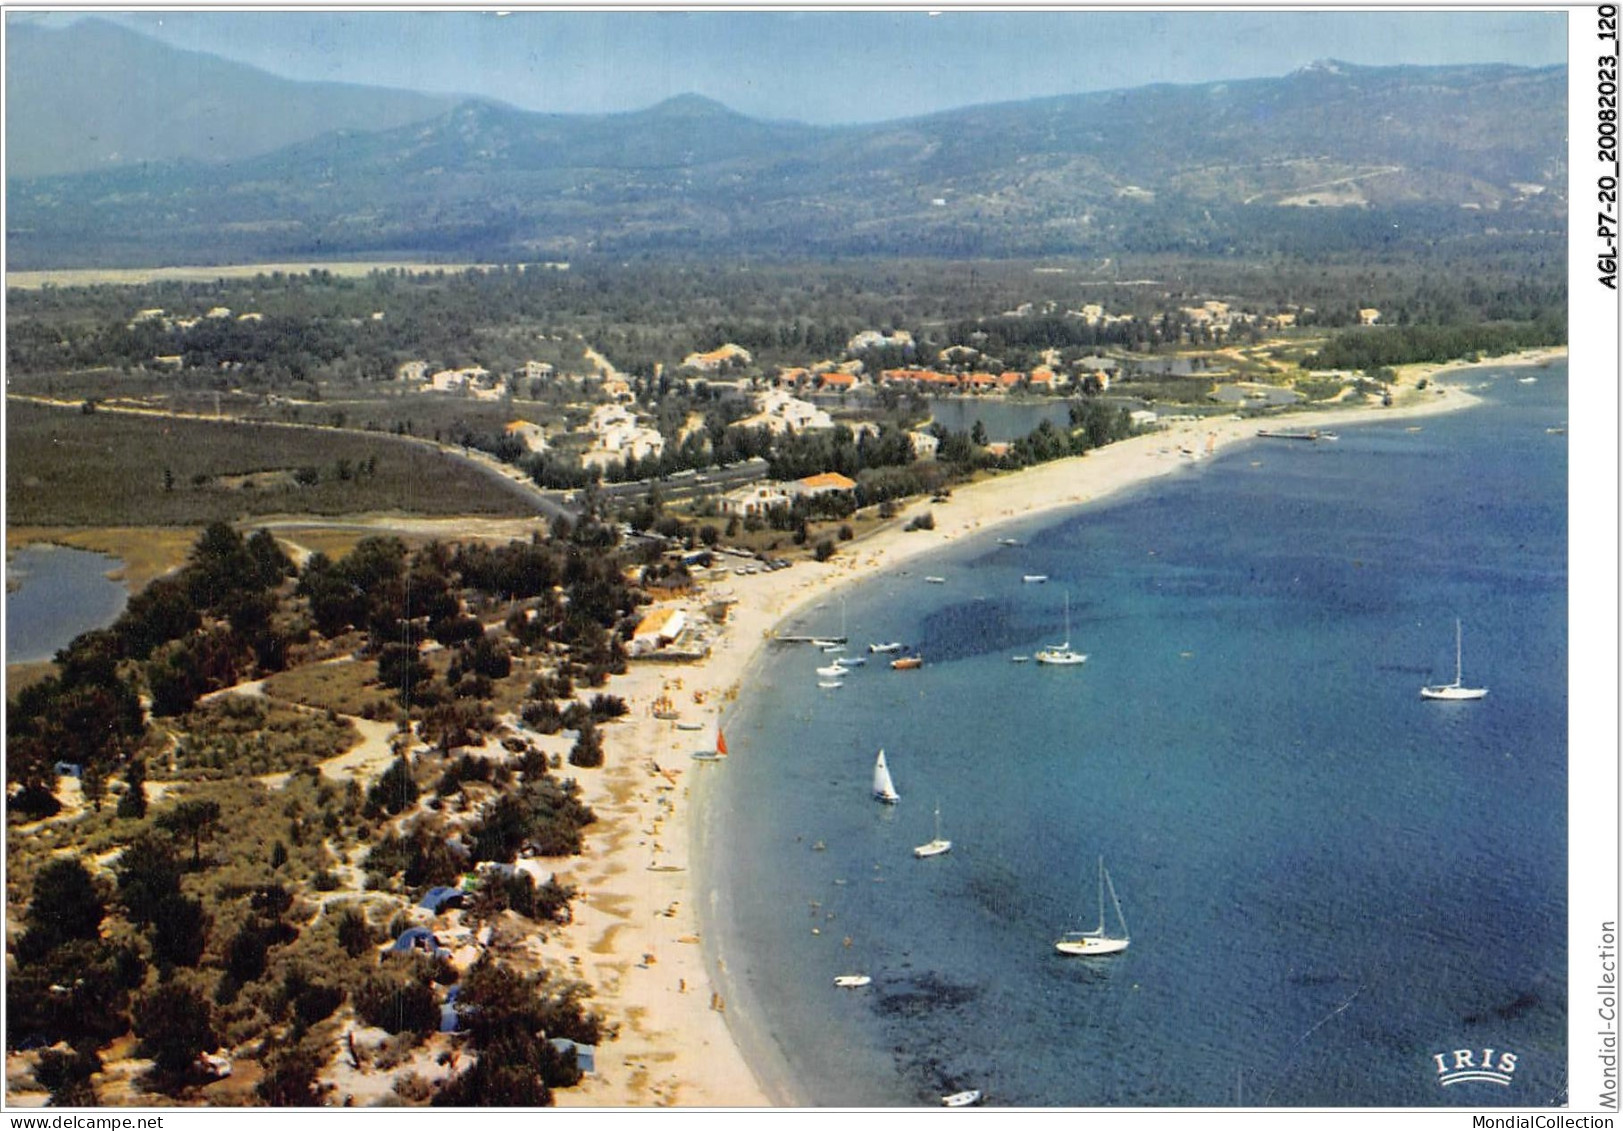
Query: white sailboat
x,y
1095,942
1457,689
937,846
1061,653
883,788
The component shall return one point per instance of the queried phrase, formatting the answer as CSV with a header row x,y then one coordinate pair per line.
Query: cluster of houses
x,y
616,434
168,322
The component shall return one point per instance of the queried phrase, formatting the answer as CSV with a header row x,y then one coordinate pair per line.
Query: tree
x,y
66,1075
195,819
292,1078
180,931
401,668
175,1024
395,790
133,805
148,875
67,905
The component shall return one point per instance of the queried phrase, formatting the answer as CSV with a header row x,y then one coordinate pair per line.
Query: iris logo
x,y
1488,1066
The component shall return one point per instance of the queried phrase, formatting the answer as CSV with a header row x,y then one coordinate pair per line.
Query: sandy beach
x,y
636,935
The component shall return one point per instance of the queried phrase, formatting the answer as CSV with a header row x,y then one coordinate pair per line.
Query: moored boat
x,y
907,663
1096,942
1061,654
936,847
1456,690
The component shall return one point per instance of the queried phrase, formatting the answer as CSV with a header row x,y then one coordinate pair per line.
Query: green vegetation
x,y
1378,346
68,468
160,931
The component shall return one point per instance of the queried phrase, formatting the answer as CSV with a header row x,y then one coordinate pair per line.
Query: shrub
x,y
399,1004
825,550
605,707
394,791
355,934
588,748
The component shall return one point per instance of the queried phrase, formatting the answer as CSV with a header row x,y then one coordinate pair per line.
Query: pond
x,y
54,593
1004,420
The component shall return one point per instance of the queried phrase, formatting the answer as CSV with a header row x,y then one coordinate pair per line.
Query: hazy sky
x,y
830,67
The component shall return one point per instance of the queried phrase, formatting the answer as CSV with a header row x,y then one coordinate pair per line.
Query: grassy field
x,y
135,276
146,551
67,468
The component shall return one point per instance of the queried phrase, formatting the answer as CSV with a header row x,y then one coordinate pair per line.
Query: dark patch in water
x,y
1316,979
989,626
1524,1003
923,994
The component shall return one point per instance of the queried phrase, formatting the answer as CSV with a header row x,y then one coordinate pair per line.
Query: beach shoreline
x,y
639,933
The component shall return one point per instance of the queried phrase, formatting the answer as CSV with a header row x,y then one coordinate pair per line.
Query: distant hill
x,y
1330,158
95,95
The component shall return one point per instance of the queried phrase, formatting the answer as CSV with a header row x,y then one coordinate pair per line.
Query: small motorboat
x,y
967,1098
936,580
893,646
852,981
907,663
1034,578
830,684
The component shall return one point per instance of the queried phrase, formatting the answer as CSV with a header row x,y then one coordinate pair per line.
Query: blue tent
x,y
417,938
439,898
450,1022
585,1055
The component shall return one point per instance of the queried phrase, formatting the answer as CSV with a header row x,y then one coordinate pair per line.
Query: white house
x,y
616,435
530,435
756,499
876,339
781,411
713,360
457,380
660,628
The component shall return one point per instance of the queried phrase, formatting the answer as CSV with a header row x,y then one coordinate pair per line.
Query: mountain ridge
x,y
1202,167
85,97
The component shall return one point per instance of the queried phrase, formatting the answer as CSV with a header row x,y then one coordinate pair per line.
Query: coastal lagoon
x,y
1328,879
54,593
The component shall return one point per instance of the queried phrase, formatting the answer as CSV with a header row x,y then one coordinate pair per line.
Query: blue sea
x,y
1328,880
